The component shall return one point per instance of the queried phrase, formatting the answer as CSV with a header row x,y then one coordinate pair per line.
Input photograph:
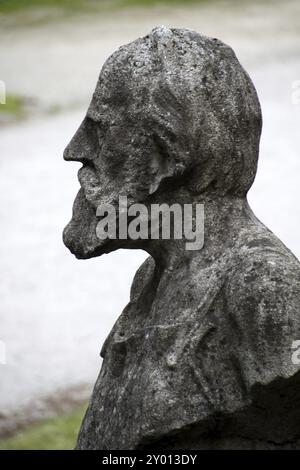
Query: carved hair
x,y
196,103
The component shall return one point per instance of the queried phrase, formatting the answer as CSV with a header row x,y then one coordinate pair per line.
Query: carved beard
x,y
79,235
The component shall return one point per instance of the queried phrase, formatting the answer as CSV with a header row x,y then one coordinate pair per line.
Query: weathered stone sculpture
x,y
201,357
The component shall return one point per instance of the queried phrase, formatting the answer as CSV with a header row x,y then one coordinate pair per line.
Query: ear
x,y
164,171
163,165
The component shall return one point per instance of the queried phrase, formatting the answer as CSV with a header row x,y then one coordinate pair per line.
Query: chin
x,y
83,245
79,236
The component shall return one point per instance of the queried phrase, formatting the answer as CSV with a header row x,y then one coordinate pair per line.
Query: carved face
x,y
114,150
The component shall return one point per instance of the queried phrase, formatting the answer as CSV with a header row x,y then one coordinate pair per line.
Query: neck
x,y
223,218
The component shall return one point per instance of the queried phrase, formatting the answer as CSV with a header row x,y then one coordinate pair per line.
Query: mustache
x,y
99,192
90,185
87,175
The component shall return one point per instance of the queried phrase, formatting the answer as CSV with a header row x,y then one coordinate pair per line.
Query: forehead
x,y
125,81
113,92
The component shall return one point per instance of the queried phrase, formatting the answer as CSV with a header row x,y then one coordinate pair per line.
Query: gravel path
x,y
56,311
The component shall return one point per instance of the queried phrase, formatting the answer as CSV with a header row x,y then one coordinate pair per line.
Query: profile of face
x,y
109,146
175,107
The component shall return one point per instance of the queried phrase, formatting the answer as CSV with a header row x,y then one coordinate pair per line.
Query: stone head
x,y
172,111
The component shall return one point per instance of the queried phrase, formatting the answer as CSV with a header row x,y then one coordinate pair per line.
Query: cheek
x,y
124,164
115,153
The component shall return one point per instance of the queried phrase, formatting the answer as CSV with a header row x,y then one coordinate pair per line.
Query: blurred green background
x,y
58,433
13,5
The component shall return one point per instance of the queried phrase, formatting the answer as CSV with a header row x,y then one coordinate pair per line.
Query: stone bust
x,y
201,356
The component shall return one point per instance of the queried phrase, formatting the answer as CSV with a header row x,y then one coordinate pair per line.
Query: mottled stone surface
x,y
201,355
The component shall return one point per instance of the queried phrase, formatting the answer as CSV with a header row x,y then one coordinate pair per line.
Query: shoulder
x,y
264,271
263,304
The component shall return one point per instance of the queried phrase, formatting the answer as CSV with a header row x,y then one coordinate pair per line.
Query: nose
x,y
83,145
69,154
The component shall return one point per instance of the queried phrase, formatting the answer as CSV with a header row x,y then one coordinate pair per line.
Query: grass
x,y
54,434
7,6
30,13
13,5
